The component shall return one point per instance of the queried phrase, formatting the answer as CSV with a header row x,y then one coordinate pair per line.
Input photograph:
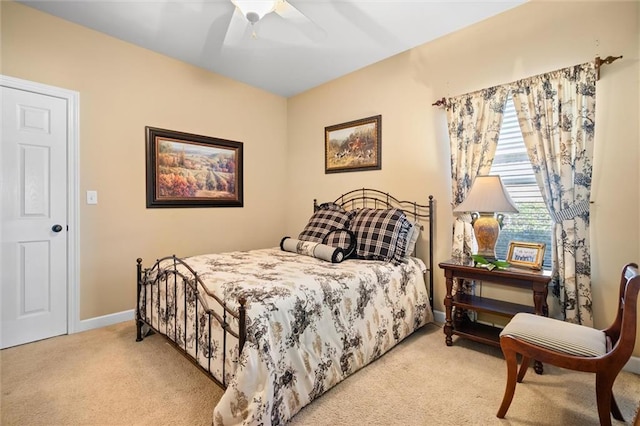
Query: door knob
x,y
56,228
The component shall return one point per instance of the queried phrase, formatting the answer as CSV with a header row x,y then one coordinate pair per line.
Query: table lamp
x,y
487,197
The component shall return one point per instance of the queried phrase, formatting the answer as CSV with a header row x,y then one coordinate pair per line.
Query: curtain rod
x,y
598,62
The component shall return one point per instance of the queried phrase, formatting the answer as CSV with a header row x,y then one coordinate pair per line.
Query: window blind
x,y
533,222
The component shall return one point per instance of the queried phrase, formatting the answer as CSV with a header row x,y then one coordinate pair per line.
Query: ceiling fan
x,y
249,12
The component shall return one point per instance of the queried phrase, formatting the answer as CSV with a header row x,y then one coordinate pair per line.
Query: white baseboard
x,y
103,321
632,366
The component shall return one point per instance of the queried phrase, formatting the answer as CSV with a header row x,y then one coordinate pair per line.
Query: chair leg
x,y
512,371
604,397
523,368
617,414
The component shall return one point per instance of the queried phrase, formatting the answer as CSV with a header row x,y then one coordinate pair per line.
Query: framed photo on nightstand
x,y
527,255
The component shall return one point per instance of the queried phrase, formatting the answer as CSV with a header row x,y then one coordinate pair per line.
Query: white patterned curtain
x,y
556,112
474,123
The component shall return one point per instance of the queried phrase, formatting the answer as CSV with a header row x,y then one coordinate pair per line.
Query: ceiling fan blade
x,y
237,29
289,12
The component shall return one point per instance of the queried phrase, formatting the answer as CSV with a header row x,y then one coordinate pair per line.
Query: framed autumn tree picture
x,y
187,170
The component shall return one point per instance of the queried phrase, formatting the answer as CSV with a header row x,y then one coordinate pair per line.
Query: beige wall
x,y
124,88
529,40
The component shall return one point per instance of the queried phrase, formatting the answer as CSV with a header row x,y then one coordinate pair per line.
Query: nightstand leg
x,y
448,331
448,306
541,308
540,302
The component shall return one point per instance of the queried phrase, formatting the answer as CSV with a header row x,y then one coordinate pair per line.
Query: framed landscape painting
x,y
186,170
353,146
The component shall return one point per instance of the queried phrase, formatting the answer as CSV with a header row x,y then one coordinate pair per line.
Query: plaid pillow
x,y
342,238
326,219
381,234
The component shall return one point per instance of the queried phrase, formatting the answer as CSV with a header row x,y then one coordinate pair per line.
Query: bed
x,y
278,327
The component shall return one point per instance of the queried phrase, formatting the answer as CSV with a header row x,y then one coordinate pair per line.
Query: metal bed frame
x,y
175,270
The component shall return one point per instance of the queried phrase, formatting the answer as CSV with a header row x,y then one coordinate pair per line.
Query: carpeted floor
x,y
103,377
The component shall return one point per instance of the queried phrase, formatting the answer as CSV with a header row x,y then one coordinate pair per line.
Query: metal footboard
x,y
174,274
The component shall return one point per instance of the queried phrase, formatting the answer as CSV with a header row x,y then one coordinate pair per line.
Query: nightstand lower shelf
x,y
479,332
484,304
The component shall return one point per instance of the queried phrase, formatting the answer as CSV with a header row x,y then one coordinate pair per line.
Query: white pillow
x,y
412,238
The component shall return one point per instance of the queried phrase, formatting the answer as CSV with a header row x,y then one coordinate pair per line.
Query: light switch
x,y
92,197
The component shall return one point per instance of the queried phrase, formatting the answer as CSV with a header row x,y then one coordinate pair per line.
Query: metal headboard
x,y
375,199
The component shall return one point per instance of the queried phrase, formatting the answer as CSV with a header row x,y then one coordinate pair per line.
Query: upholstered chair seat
x,y
556,335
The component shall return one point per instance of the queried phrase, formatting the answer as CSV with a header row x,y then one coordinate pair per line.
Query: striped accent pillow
x,y
555,335
381,234
317,250
327,218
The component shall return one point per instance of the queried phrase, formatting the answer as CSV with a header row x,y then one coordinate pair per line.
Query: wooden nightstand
x,y
463,269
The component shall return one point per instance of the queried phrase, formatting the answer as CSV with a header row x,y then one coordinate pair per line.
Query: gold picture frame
x,y
354,146
527,255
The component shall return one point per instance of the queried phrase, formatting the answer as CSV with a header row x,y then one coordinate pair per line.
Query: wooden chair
x,y
575,347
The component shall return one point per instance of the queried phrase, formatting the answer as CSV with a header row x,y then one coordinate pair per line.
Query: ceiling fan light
x,y
253,9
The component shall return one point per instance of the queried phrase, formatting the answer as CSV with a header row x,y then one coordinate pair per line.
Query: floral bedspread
x,y
310,324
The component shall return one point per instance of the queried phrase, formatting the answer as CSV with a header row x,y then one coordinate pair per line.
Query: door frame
x,y
72,99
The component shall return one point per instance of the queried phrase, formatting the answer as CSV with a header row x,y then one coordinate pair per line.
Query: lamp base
x,y
486,229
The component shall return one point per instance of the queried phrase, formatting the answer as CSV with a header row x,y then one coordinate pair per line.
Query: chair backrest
x,y
622,333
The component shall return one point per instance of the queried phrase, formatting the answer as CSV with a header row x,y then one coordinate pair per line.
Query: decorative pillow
x,y
412,238
381,234
343,238
317,250
327,218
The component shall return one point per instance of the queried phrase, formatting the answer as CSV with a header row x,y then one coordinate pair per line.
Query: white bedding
x,y
311,324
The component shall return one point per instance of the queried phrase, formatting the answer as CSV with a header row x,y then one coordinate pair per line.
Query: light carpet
x,y
103,377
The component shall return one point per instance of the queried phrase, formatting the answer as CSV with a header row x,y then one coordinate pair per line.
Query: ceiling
x,y
284,58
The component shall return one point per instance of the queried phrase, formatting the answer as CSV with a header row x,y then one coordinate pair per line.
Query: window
x,y
533,223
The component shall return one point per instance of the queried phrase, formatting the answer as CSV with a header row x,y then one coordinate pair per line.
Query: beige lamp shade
x,y
486,197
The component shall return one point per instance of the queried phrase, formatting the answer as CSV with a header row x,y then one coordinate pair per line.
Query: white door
x,y
33,156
